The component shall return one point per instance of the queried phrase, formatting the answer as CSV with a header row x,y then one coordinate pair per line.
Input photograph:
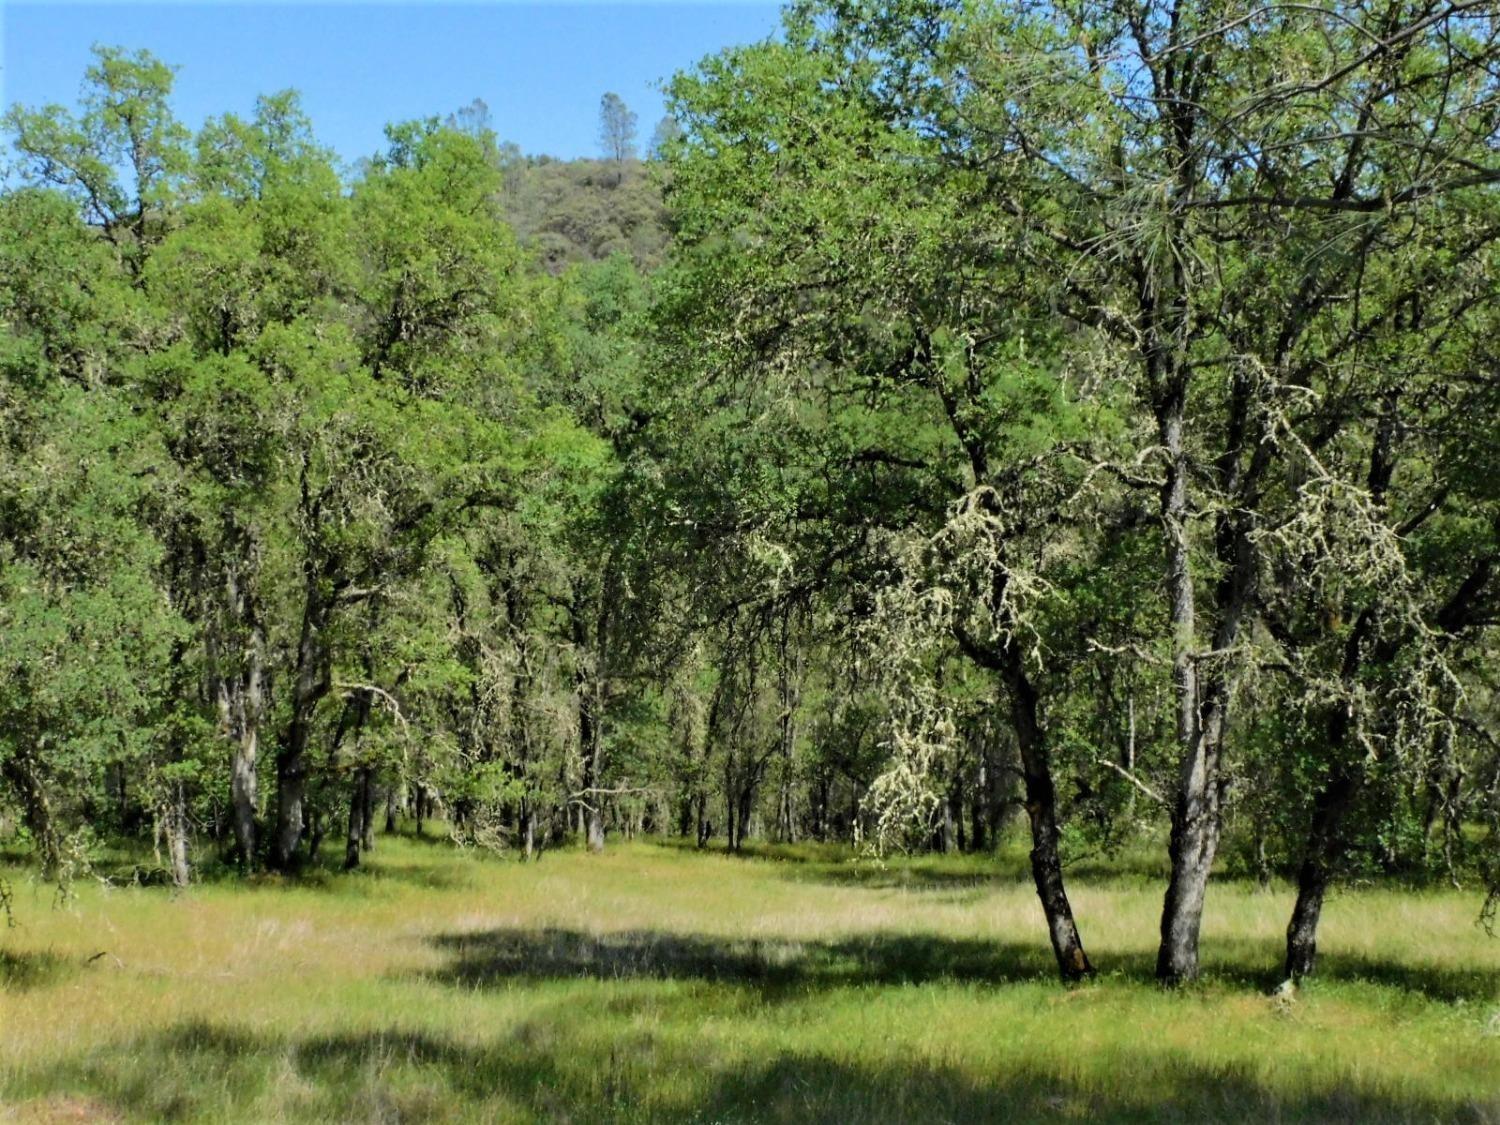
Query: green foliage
x,y
967,408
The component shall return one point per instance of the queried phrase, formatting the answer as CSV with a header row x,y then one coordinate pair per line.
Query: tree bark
x,y
746,799
788,693
1008,659
589,744
1202,701
309,685
238,656
1041,807
1314,875
528,829
177,837
590,715
356,826
244,794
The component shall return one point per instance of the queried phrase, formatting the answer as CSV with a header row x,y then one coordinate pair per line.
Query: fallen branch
x,y
381,693
1130,777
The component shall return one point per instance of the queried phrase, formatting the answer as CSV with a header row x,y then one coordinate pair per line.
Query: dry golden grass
x,y
656,983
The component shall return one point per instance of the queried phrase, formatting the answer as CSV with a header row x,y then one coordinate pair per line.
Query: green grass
x,y
656,983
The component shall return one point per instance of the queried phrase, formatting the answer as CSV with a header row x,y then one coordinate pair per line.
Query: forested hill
x,y
569,211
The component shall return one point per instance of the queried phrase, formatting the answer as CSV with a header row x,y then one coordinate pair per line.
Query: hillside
x,y
585,210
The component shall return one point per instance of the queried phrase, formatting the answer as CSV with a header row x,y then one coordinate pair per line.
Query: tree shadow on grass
x,y
22,971
784,966
548,1069
328,874
1476,984
1004,866
494,957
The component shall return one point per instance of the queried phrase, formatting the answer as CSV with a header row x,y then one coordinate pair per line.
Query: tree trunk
x,y
1330,803
309,686
1316,871
1337,795
1194,842
746,800
731,806
528,829
1202,706
1041,807
367,816
788,693
356,829
238,656
589,744
177,837
978,808
243,794
1009,660
1202,697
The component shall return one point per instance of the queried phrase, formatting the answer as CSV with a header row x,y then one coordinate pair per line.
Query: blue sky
x,y
541,67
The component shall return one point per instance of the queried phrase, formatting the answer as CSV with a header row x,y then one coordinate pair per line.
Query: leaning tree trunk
x,y
1314,875
1009,660
1041,807
1330,804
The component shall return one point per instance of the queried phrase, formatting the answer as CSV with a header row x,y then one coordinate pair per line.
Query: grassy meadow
x,y
657,983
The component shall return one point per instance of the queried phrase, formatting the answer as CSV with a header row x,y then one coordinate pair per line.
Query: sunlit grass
x,y
654,982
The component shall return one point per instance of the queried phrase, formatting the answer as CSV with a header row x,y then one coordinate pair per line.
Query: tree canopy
x,y
1077,415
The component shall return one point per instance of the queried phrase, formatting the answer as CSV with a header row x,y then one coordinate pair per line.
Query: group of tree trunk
x,y
1073,422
